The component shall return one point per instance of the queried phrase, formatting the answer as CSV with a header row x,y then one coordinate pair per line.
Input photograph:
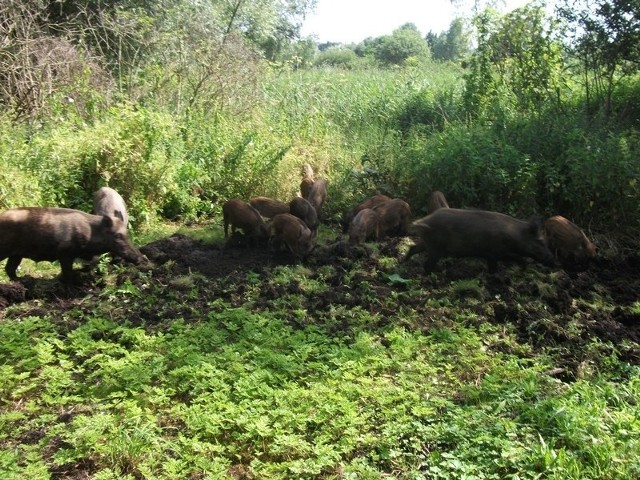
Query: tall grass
x,y
402,131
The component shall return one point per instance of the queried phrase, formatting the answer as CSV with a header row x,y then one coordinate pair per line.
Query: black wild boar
x,y
61,234
268,207
394,217
301,208
451,232
241,215
436,200
567,241
364,226
318,195
291,231
370,202
106,201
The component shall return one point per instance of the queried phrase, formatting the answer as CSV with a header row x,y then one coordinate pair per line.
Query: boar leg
x,y
66,265
12,267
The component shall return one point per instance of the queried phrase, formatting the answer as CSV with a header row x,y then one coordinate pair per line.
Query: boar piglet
x,y
436,200
241,215
289,230
307,180
301,208
450,232
364,226
305,186
61,234
268,207
567,241
106,201
394,217
370,202
318,195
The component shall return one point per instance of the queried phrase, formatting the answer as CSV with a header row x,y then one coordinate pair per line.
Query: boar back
x,y
394,217
364,226
106,201
291,231
268,207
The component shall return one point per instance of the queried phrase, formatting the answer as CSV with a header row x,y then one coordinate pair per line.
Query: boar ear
x,y
107,221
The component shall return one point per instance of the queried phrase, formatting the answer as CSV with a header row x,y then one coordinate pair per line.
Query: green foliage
x,y
404,43
337,57
475,167
229,390
452,45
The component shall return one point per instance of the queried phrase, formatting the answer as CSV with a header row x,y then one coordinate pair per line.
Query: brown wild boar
x,y
394,217
364,226
451,232
318,195
291,231
106,201
436,200
370,202
301,208
61,234
268,207
307,180
305,187
567,241
241,215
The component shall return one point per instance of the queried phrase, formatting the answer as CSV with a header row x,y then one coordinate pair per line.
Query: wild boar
x,y
268,207
291,231
318,195
106,201
370,202
61,234
364,226
394,217
567,241
301,208
305,187
451,232
436,200
307,180
241,215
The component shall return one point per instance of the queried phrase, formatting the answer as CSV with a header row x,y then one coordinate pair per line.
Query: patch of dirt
x,y
549,307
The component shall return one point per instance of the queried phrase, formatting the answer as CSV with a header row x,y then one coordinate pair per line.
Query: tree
x,y
403,43
518,59
451,45
605,36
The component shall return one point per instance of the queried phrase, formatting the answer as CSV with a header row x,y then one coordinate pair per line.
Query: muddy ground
x,y
559,308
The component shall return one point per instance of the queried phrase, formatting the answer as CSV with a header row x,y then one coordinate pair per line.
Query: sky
x,y
351,21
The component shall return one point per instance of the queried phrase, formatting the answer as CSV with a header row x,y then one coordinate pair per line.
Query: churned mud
x,y
559,308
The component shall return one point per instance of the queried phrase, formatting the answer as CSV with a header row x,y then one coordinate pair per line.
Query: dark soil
x,y
559,308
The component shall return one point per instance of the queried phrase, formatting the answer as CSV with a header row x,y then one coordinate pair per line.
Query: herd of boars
x,y
444,232
62,234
